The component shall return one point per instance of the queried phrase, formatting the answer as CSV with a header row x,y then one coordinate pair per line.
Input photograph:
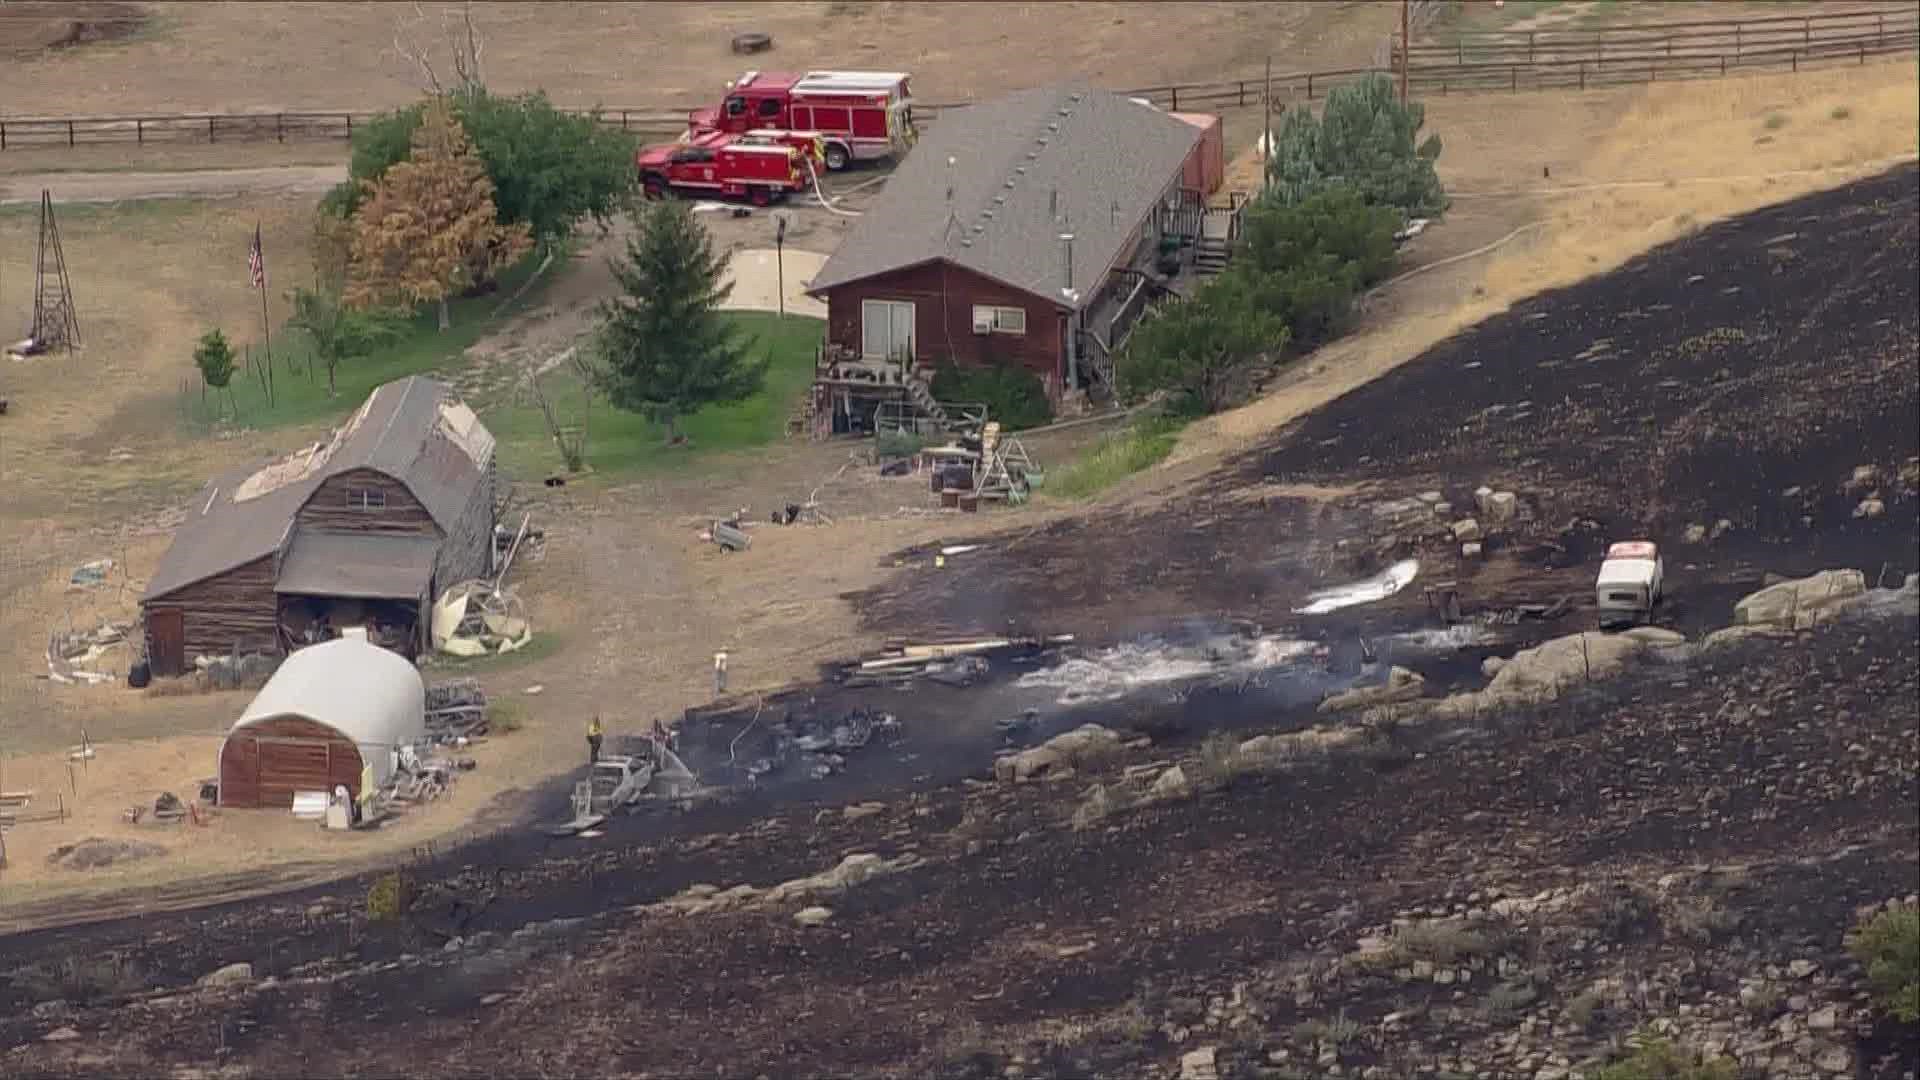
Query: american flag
x,y
256,265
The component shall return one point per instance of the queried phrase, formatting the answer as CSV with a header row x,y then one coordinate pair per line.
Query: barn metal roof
x,y
371,695
986,188
373,566
409,429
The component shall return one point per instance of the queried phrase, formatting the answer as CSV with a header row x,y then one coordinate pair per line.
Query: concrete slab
x,y
755,274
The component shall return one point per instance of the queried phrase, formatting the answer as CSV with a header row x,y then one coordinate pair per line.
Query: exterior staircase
x,y
922,398
1210,255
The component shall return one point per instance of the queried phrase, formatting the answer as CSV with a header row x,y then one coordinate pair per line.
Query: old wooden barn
x,y
361,530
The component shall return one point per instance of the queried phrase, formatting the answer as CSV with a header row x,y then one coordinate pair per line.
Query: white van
x,y
1631,579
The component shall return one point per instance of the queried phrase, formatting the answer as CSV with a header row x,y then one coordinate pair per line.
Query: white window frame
x,y
1005,320
888,313
366,499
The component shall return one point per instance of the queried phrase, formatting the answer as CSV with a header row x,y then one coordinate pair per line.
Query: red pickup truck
x,y
757,166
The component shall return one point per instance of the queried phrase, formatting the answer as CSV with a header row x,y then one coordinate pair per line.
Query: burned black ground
x,y
1741,374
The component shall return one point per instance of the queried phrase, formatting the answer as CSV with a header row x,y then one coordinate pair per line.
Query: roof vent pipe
x,y
1066,268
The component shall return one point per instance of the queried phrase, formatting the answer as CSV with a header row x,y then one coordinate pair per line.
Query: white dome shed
x,y
330,713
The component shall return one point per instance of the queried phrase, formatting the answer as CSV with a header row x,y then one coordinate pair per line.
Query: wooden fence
x,y
1532,60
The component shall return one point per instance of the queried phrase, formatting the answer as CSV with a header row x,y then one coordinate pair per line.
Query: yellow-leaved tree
x,y
427,229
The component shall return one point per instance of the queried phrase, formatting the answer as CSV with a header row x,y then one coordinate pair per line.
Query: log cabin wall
x,y
234,611
336,504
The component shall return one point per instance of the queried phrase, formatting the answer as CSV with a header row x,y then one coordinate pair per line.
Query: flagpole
x,y
266,324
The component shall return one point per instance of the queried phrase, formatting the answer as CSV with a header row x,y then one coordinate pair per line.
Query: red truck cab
x,y
754,167
860,115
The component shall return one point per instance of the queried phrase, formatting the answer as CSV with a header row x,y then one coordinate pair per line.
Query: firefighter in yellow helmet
x,y
594,735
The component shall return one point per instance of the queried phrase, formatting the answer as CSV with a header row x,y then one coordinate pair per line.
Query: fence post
x,y
69,133
1880,35
1806,31
1736,39
623,119
349,127
1795,57
1309,86
1530,34
1583,75
3,135
210,136
1243,94
1174,91
1723,65
280,127
140,131
1513,78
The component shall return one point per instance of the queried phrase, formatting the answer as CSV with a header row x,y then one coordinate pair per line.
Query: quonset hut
x,y
334,714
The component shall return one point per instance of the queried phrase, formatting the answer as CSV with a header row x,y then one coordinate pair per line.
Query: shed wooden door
x,y
167,642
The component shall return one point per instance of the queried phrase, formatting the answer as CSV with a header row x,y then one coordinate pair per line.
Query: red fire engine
x,y
861,115
760,166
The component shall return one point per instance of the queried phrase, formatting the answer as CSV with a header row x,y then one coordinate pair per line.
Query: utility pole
x,y
1406,46
1266,128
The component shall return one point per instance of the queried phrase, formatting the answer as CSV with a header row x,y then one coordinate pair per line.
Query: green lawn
x,y
620,442
300,387
1141,445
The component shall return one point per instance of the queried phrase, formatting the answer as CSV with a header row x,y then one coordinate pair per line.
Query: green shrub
x,y
1306,261
1013,395
1141,446
1657,1059
505,717
1888,947
897,444
1200,349
388,897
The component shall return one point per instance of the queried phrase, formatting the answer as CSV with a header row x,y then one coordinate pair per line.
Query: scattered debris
x,y
456,712
1801,603
91,573
72,654
955,663
1378,587
1401,685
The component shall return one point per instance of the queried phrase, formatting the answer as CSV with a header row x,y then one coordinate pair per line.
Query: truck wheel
x,y
837,157
761,196
654,188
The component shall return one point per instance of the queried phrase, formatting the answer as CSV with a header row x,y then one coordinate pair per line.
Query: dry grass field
x,y
191,57
93,454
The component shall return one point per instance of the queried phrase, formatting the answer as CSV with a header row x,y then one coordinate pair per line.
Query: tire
x,y
760,196
837,157
654,188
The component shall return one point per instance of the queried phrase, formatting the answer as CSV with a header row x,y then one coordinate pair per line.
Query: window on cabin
x,y
769,107
886,329
1004,320
366,499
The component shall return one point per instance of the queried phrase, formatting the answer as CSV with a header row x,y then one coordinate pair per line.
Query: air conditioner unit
x,y
983,320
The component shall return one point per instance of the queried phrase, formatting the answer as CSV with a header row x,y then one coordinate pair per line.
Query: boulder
x,y
813,916
1172,784
1467,529
1656,636
1802,602
1057,753
1696,534
1401,685
1864,477
1538,673
1491,665
1870,508
231,975
1501,509
853,871
1200,1064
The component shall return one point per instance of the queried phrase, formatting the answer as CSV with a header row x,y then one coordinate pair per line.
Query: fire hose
x,y
814,175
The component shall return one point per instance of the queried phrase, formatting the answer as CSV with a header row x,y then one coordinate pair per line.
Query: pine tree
x,y
1363,139
428,229
663,349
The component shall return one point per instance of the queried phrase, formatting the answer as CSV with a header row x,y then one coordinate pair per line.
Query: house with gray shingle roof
x,y
361,529
1015,232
